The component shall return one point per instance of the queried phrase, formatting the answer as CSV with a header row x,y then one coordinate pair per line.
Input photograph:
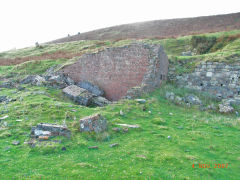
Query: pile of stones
x,y
82,93
46,130
86,97
188,99
225,107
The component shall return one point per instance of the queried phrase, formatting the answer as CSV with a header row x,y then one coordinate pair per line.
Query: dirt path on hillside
x,y
45,56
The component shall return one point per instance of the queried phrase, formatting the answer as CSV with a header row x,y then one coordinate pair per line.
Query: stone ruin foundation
x,y
122,71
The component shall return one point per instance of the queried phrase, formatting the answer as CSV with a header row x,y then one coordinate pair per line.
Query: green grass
x,y
173,47
29,68
70,47
228,52
144,153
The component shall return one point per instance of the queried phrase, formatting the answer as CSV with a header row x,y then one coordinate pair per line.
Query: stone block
x,y
46,129
79,95
96,123
91,88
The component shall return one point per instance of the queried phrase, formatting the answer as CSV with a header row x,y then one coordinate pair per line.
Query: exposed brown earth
x,y
45,56
161,28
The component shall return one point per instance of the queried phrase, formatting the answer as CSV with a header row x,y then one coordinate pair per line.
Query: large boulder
x,y
91,88
79,95
96,123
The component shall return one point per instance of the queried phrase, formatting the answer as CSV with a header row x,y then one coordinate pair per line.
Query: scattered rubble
x,y
225,108
7,85
15,142
193,100
3,99
4,117
170,96
91,88
125,130
100,101
59,81
93,147
64,149
116,129
121,113
44,129
187,53
129,126
113,145
188,99
141,101
79,95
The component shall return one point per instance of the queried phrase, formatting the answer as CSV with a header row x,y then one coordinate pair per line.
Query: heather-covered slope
x,y
161,28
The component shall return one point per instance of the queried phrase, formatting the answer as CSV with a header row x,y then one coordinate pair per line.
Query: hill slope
x,y
161,28
174,141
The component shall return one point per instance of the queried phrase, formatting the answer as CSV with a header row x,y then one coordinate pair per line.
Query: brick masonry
x,y
119,69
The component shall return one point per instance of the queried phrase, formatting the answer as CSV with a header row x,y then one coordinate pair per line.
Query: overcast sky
x,y
23,22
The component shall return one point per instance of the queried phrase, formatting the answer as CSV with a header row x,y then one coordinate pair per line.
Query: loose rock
x,y
7,85
193,100
125,130
3,99
45,129
116,129
78,95
15,142
4,117
100,101
64,149
121,113
38,80
114,145
225,109
141,101
129,125
93,147
43,137
91,88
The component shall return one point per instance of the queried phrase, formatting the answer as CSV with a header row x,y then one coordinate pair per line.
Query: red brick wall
x,y
115,70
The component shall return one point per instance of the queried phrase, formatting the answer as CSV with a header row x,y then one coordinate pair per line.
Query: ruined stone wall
x,y
219,79
117,70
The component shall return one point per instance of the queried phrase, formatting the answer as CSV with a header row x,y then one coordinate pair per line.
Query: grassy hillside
x,y
171,138
163,29
169,141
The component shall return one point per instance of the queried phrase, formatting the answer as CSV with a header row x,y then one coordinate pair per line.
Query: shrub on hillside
x,y
223,41
203,44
